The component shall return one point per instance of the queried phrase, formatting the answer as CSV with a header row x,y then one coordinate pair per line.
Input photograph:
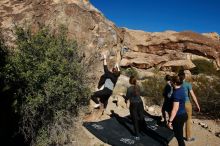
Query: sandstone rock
x,y
218,134
146,107
120,101
121,86
188,75
211,131
179,44
204,125
151,109
200,123
94,116
185,64
142,60
195,121
85,23
212,35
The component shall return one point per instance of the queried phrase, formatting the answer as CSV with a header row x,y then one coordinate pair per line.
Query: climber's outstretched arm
x,y
105,64
104,60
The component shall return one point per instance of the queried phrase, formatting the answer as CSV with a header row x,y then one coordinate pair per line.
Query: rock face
x,y
94,33
166,46
97,35
84,22
212,35
186,64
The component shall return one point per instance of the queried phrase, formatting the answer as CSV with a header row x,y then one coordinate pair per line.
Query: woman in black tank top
x,y
136,106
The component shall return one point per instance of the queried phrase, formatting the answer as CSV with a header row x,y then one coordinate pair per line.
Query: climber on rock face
x,y
108,79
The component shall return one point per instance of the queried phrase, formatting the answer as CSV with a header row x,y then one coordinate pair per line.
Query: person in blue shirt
x,y
188,91
178,113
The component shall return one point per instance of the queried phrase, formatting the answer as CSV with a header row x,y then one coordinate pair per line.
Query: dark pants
x,y
103,95
137,115
167,107
178,123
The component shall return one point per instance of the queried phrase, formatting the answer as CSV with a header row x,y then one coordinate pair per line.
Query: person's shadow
x,y
124,121
128,124
156,118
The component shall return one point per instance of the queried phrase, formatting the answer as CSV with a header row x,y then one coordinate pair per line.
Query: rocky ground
x,y
204,130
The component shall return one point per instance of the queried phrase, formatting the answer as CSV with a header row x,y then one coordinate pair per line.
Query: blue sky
x,y
160,15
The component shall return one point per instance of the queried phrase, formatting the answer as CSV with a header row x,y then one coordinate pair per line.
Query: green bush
x,y
207,90
177,69
3,51
3,57
130,72
50,83
204,66
152,88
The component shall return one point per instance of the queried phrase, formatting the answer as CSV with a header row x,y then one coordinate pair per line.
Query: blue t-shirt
x,y
187,87
179,96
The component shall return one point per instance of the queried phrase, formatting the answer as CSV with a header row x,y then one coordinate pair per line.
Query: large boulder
x,y
212,35
185,64
142,60
169,45
93,32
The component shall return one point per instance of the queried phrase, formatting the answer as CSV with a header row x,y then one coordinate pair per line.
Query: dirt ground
x,y
204,136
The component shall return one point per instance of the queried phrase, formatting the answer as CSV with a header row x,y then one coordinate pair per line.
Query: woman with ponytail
x,y
189,91
136,106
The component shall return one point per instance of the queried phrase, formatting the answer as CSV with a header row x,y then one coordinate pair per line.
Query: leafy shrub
x,y
131,72
217,73
207,90
3,52
3,55
152,88
177,69
50,80
204,66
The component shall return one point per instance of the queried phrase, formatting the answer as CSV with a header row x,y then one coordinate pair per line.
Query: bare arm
x,y
195,99
173,113
105,62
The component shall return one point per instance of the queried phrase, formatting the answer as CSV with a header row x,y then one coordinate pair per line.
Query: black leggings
x,y
178,123
137,115
103,95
